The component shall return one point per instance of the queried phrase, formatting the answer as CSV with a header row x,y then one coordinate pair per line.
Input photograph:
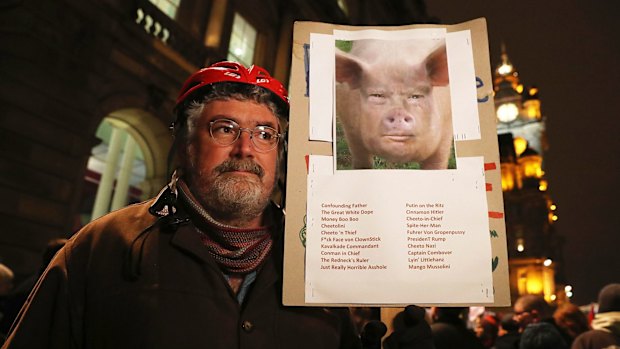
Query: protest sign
x,y
393,178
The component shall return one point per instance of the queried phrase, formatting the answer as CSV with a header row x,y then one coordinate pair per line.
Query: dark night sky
x,y
570,49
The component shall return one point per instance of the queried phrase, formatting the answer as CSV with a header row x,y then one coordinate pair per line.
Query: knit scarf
x,y
235,250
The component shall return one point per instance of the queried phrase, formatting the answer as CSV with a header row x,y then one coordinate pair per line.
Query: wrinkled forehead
x,y
396,76
386,52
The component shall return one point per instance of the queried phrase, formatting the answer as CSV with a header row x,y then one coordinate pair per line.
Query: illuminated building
x,y
88,87
533,244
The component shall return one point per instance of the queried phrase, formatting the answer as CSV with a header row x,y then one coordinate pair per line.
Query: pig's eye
x,y
417,96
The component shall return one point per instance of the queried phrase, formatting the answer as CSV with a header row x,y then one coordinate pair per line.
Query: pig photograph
x,y
393,105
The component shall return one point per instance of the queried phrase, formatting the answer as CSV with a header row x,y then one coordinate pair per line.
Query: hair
x,y
571,319
531,302
542,335
191,110
508,323
609,298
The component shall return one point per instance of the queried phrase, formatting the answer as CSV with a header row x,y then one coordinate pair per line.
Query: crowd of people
x,y
532,324
200,265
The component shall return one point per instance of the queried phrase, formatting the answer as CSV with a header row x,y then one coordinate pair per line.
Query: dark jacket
x,y
605,332
447,335
509,340
89,297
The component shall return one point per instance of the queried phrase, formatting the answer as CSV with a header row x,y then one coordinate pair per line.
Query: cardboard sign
x,y
393,181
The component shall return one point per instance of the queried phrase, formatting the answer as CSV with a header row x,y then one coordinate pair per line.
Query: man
x,y
605,331
542,335
529,309
200,265
508,335
533,309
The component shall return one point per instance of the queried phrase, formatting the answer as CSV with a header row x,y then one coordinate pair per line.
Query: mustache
x,y
246,165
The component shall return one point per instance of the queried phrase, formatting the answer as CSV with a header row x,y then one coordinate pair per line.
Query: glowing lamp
x,y
520,144
507,112
531,164
543,185
505,69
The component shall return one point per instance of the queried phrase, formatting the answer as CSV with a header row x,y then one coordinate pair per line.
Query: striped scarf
x,y
235,250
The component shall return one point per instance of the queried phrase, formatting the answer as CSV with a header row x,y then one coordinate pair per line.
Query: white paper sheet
x,y
462,86
397,236
400,236
321,87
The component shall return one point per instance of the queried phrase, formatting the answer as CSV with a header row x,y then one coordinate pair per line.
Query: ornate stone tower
x,y
533,245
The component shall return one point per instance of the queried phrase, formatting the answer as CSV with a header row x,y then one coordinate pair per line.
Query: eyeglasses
x,y
227,132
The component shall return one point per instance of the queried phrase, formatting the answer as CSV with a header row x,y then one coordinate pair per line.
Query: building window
x,y
169,7
242,41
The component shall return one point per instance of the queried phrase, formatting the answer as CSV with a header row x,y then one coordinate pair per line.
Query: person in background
x,y
533,309
361,316
200,265
16,299
486,328
529,309
450,331
571,320
508,333
542,335
411,330
605,331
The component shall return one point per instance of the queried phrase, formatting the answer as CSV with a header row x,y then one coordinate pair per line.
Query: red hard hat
x,y
231,72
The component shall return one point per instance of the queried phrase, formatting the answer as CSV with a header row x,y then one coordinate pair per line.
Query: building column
x,y
122,182
104,191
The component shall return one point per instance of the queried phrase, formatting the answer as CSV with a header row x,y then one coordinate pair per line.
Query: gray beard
x,y
236,198
231,197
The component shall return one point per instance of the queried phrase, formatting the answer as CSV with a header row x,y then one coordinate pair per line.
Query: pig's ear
x,y
348,69
437,66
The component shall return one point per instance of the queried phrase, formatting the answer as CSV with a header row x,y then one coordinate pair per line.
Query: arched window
x,y
114,172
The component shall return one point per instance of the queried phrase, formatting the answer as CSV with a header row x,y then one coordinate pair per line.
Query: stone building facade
x,y
87,89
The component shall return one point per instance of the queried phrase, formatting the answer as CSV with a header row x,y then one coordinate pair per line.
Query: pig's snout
x,y
398,123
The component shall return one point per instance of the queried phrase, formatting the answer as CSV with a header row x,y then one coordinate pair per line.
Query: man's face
x,y
524,317
233,182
